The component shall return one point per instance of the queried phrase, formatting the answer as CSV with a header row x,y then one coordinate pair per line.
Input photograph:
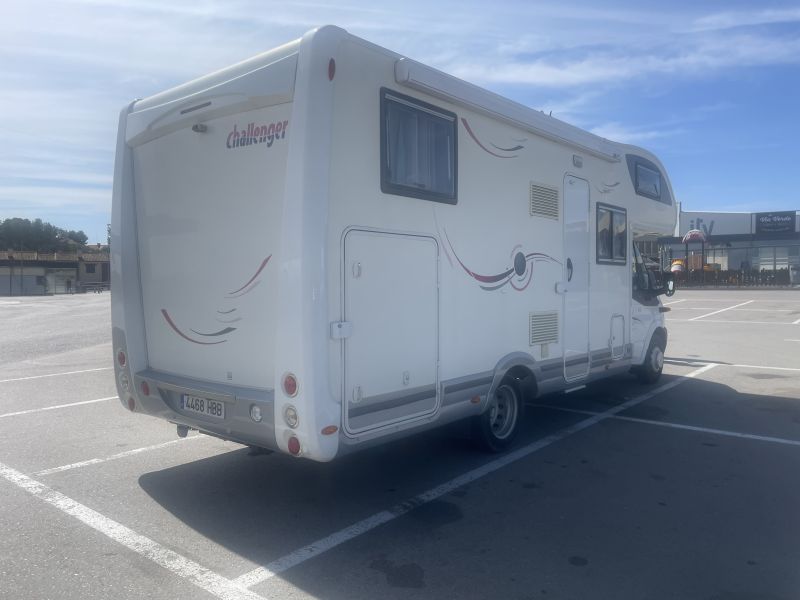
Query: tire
x,y
650,370
495,429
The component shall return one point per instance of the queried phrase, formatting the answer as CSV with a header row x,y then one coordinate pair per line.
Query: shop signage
x,y
775,223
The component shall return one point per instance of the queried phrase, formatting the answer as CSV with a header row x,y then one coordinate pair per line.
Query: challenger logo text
x,y
257,134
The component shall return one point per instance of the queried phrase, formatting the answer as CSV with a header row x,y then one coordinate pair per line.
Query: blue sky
x,y
712,87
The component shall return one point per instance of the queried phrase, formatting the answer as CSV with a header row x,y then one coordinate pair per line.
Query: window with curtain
x,y
418,149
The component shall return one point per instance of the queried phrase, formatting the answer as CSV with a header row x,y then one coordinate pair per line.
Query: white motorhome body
x,y
330,245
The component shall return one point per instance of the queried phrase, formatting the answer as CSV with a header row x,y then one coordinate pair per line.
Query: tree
x,y
38,236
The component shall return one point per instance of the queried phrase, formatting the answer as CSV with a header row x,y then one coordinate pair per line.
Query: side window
x,y
648,182
612,235
418,149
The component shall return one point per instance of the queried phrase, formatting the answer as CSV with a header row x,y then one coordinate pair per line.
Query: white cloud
x,y
730,20
621,133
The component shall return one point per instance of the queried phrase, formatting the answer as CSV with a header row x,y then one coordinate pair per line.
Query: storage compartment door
x,y
392,304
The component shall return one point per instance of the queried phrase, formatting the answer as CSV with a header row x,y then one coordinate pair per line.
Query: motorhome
x,y
330,245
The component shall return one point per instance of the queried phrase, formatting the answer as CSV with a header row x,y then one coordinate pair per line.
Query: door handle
x,y
569,269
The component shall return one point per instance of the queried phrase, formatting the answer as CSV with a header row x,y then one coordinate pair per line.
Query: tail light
x,y
290,385
294,446
121,358
145,387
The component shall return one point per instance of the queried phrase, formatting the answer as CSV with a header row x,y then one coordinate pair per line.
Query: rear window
x,y
418,149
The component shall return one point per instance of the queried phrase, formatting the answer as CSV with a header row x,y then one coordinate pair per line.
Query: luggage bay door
x,y
391,301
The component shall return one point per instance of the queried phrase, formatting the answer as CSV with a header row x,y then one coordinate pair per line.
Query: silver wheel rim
x,y
504,411
657,359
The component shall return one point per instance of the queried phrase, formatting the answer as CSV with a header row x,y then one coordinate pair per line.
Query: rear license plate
x,y
203,406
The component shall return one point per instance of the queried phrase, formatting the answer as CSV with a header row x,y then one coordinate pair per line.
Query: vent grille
x,y
544,328
544,201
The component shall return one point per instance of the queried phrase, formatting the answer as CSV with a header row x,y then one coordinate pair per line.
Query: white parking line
x,y
263,573
56,374
721,310
796,322
36,410
97,461
765,367
725,432
674,301
770,310
183,567
693,363
784,323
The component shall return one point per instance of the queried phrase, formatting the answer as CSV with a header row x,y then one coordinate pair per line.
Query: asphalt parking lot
x,y
684,489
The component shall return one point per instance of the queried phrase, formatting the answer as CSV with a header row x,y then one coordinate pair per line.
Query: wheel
x,y
496,428
650,371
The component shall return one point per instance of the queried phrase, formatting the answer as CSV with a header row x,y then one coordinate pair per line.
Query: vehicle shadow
x,y
266,506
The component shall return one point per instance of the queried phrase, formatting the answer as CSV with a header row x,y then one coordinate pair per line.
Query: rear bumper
x,y
164,401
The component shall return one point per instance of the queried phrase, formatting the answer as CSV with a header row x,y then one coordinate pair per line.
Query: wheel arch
x,y
521,367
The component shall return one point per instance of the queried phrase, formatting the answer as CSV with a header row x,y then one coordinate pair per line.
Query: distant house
x,y
39,273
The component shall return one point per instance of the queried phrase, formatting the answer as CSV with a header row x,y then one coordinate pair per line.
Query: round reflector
x,y
290,385
294,445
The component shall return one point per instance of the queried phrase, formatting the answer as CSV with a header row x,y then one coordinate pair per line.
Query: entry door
x,y
576,278
392,311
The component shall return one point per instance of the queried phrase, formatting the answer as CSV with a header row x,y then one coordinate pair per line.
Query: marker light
x,y
255,413
294,446
145,388
329,430
290,416
290,385
121,358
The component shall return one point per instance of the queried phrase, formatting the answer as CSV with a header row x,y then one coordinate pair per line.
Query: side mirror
x,y
669,284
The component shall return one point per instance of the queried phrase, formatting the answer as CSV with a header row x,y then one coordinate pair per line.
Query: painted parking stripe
x,y
203,578
769,310
721,310
693,363
674,301
97,461
796,322
723,432
56,374
56,407
784,323
765,367
263,573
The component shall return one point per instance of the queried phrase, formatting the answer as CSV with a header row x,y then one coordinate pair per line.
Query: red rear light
x,y
145,388
131,404
121,358
294,445
290,385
